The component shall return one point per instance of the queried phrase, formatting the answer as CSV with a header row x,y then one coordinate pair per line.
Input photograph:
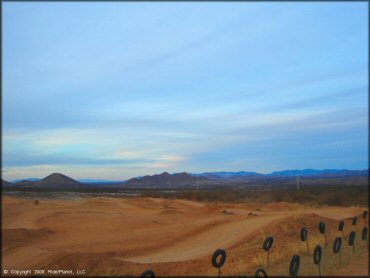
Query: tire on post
x,y
267,244
351,238
294,266
216,262
304,237
354,221
317,257
148,274
260,273
304,234
337,245
364,233
341,225
336,248
364,236
322,227
317,254
364,216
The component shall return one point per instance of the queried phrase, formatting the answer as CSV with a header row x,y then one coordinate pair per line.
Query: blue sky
x,y
117,90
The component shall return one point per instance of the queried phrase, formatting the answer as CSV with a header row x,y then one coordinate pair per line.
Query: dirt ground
x,y
125,236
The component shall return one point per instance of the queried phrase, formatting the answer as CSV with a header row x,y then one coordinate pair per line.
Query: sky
x,y
121,89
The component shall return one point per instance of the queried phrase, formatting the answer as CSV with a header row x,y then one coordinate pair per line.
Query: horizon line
x,y
191,173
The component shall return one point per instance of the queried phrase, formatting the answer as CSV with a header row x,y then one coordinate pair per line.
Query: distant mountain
x,y
321,173
27,179
57,180
309,173
31,181
6,183
228,175
95,181
166,180
207,179
24,183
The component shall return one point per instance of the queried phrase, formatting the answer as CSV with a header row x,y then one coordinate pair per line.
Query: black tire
x,y
322,227
294,265
337,245
364,215
341,225
216,254
259,272
354,221
364,233
304,234
148,274
317,254
351,238
267,244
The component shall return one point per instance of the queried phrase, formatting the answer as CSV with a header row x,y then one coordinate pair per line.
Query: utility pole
x,y
197,184
297,183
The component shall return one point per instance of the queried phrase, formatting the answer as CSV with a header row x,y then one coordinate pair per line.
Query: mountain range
x,y
90,181
311,173
57,180
166,180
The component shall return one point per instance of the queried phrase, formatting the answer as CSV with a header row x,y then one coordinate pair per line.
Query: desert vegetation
x,y
321,196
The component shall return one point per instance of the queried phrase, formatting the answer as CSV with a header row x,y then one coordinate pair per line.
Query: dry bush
x,y
332,196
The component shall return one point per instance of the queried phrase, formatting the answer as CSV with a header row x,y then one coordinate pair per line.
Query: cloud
x,y
183,86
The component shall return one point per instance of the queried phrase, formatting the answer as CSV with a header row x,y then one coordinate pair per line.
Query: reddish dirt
x,y
124,236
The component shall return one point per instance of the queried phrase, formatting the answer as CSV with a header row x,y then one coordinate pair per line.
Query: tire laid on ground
x,y
317,254
294,265
147,274
267,244
337,245
259,272
341,225
304,234
216,254
322,227
354,221
364,233
351,238
364,214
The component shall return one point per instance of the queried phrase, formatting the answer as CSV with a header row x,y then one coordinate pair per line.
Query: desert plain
x,y
173,237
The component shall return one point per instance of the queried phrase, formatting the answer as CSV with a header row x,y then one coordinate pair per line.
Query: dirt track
x,y
134,230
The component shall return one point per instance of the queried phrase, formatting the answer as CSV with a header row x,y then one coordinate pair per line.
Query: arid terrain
x,y
125,236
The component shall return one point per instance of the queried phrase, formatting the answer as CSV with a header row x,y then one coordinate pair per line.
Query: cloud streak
x,y
138,88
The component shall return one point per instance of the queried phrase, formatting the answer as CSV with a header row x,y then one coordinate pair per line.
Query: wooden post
x,y
308,251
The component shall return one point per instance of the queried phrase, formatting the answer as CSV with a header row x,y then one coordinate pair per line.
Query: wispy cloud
x,y
135,88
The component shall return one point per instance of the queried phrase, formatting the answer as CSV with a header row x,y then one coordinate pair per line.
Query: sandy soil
x,y
121,236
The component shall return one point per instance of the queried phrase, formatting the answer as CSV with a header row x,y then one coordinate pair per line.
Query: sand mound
x,y
171,211
17,237
282,206
124,236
